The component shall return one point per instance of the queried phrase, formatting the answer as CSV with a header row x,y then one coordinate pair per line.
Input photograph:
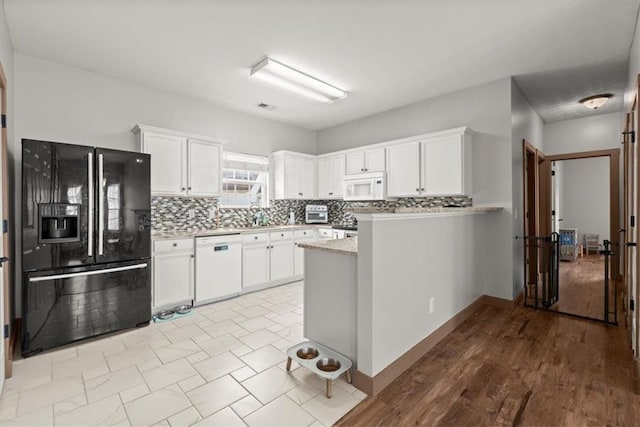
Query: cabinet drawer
x,y
304,234
325,233
278,236
255,238
172,245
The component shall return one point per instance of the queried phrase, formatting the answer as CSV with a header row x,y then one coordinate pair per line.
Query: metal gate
x,y
543,290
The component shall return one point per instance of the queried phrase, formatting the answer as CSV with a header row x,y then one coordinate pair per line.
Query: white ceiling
x,y
385,53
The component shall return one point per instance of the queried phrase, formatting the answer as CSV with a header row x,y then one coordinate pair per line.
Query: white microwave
x,y
365,186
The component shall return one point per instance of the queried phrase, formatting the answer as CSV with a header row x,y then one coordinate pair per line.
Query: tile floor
x,y
224,365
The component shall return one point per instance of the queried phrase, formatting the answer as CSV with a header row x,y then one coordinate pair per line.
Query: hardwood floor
x,y
581,287
520,367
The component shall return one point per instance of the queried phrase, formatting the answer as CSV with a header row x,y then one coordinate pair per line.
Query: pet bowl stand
x,y
323,353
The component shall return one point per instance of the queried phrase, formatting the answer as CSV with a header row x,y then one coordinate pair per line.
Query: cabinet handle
x,y
183,188
189,188
175,244
192,256
362,170
418,190
422,189
281,234
255,238
331,194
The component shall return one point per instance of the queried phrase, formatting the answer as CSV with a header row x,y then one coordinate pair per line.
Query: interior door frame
x,y
6,272
531,201
614,211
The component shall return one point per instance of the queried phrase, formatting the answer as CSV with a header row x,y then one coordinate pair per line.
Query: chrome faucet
x,y
256,217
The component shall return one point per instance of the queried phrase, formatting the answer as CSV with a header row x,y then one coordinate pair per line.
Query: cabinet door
x,y
281,260
374,160
298,257
403,170
442,166
325,177
172,279
168,163
255,265
292,171
355,162
337,176
204,168
306,179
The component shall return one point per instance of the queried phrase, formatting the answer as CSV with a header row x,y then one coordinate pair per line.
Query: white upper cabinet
x,y
446,164
430,165
181,163
293,175
364,161
168,160
331,172
403,170
205,165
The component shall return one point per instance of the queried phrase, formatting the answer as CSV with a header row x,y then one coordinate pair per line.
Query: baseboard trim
x,y
498,302
519,299
373,386
13,340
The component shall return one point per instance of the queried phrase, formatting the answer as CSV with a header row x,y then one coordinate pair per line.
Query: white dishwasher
x,y
218,267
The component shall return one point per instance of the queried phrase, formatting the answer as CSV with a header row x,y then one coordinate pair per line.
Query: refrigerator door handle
x,y
100,205
88,273
91,187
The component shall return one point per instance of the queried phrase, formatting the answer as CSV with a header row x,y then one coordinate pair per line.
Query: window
x,y
244,180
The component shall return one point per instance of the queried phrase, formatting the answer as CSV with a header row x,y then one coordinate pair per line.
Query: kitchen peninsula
x,y
377,299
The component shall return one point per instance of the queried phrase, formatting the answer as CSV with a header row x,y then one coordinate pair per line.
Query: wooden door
x,y
530,212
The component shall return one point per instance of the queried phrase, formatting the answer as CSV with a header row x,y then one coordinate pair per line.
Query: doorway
x,y
572,246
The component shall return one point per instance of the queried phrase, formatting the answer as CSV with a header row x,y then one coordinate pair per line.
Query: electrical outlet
x,y
192,213
432,305
212,213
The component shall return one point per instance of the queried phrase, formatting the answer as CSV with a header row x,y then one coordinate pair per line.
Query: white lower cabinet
x,y
271,258
173,273
301,236
281,260
255,265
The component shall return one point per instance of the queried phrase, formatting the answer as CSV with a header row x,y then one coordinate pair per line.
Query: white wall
x,y
525,125
433,257
589,133
60,103
486,110
584,194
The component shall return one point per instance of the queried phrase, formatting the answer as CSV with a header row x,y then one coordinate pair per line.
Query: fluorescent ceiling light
x,y
596,101
288,78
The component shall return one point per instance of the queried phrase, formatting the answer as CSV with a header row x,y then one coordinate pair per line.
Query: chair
x,y
592,242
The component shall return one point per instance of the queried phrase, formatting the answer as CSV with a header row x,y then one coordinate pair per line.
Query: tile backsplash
x,y
172,213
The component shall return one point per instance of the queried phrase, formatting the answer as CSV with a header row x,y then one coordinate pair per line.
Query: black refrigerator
x,y
86,242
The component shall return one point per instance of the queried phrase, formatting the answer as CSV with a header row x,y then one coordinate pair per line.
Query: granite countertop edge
x,y
348,246
186,234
